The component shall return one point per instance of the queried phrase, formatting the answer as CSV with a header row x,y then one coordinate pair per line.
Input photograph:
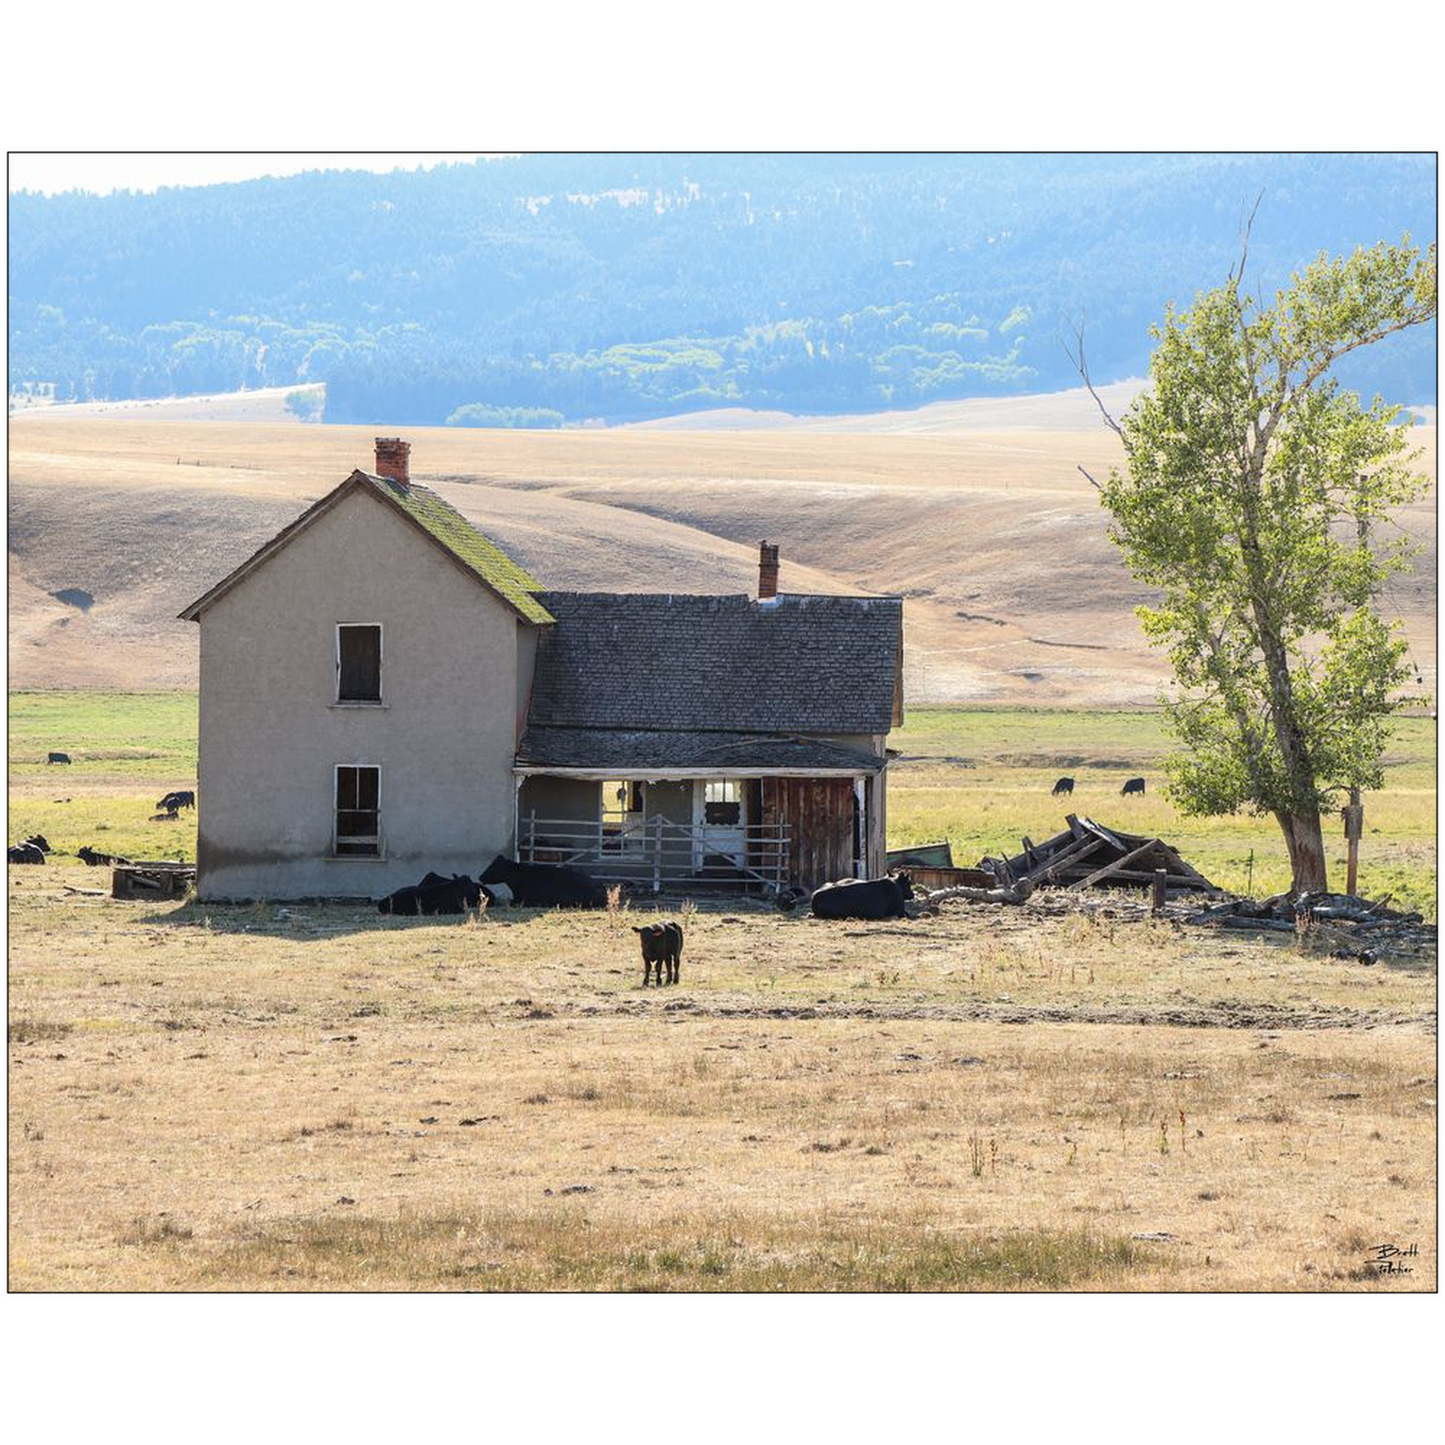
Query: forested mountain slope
x,y
542,290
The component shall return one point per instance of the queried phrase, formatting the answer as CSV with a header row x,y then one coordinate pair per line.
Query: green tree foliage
x,y
1255,499
477,413
305,403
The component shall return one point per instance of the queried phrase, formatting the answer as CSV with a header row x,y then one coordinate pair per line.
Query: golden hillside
x,y
1014,592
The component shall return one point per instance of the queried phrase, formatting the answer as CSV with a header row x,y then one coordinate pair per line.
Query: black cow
x,y
58,758
536,885
32,850
92,859
1134,785
1064,785
867,898
433,895
174,802
661,946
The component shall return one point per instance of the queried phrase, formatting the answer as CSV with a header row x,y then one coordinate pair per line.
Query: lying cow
x,y
434,894
867,898
92,859
32,850
1064,785
1134,785
661,947
536,885
58,758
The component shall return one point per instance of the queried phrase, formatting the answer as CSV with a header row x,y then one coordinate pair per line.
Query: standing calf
x,y
1134,785
661,946
1064,785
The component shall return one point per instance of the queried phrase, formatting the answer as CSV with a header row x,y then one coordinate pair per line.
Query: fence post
x,y
1161,882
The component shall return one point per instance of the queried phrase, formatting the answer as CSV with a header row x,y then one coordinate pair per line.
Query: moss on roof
x,y
478,553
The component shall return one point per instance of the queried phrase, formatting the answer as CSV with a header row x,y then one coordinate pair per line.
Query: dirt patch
x,y
1225,1014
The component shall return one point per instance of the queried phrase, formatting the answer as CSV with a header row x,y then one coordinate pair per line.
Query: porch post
x,y
516,816
860,858
657,855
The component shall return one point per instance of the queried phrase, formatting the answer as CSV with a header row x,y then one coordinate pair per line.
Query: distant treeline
x,y
517,291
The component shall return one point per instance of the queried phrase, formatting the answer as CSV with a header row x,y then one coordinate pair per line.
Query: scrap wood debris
x,y
1088,855
1363,930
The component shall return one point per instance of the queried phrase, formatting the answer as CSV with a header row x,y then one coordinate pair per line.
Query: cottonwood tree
x,y
1255,498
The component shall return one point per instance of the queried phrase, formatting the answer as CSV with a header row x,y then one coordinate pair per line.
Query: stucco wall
x,y
670,800
271,736
568,799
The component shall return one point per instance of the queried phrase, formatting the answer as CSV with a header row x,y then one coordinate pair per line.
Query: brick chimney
x,y
767,571
393,460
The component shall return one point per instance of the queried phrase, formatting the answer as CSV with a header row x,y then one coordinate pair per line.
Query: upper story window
x,y
358,662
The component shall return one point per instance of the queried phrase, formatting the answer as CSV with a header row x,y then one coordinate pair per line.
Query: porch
x,y
718,832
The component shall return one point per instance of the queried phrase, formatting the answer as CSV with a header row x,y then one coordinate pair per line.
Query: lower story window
x,y
358,812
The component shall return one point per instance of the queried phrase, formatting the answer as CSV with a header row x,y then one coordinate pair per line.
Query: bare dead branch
x,y
1237,275
1090,480
1081,365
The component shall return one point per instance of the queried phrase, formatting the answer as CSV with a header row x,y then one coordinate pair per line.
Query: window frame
x,y
380,699
336,811
729,791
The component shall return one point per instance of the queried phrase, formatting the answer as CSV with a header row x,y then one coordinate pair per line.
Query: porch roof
x,y
622,753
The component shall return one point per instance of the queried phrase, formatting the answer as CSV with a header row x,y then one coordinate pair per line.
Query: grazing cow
x,y
174,802
867,898
661,947
1134,785
536,885
1064,785
58,758
92,859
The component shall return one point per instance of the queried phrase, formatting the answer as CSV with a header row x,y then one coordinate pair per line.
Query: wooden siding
x,y
821,814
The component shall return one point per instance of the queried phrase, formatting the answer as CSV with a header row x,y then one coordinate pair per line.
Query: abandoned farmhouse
x,y
384,691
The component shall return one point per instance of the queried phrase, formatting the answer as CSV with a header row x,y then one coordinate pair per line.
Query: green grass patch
x,y
567,1250
982,778
129,734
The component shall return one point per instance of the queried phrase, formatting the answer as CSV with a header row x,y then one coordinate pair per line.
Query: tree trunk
x,y
1306,843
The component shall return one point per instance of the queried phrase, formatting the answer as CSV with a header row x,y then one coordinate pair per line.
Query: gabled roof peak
x,y
431,514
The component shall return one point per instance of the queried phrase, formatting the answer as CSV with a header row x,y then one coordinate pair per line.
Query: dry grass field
x,y
981,520
295,1097
304,1097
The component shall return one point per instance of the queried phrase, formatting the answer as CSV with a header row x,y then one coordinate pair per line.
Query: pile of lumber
x,y
1362,929
1089,855
152,880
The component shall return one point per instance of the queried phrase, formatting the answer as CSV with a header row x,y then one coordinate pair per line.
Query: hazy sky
x,y
147,171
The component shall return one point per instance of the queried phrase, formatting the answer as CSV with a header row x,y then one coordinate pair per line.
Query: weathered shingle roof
x,y
649,662
629,753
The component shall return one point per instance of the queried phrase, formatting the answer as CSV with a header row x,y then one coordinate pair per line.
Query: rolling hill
x,y
986,526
